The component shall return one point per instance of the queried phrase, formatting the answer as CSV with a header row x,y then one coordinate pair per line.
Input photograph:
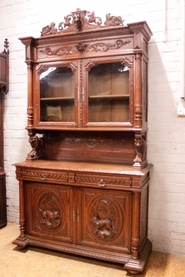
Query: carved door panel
x,y
48,212
106,219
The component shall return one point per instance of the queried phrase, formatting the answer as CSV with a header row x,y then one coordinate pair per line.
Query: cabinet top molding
x,y
81,20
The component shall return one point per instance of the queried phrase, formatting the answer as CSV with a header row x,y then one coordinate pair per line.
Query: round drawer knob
x,y
42,177
101,183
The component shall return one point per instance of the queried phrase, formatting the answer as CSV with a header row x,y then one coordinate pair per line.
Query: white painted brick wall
x,y
166,136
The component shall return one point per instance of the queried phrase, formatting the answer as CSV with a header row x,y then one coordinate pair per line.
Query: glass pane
x,y
57,94
109,93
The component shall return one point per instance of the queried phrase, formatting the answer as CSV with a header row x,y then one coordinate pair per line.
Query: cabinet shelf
x,y
117,96
56,98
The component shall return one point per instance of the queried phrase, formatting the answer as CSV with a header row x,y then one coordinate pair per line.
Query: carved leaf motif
x,y
59,52
103,47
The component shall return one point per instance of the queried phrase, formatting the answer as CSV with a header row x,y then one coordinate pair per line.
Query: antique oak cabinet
x,y
4,82
84,184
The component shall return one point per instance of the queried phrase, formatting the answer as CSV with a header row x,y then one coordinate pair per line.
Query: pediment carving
x,y
81,20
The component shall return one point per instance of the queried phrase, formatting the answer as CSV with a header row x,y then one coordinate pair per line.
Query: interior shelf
x,y
117,96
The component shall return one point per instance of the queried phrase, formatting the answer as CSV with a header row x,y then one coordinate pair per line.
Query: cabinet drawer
x,y
103,181
42,175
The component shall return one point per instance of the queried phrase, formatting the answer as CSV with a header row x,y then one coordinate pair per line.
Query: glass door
x,y
57,95
108,94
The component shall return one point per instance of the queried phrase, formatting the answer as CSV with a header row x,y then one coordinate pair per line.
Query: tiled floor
x,y
37,262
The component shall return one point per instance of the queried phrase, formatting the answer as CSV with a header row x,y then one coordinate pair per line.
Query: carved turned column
x,y
136,224
29,59
138,97
21,212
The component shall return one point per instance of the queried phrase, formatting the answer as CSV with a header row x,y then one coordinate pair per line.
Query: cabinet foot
x,y
135,266
21,242
132,272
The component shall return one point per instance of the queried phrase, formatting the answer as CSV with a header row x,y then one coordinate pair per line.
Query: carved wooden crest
x,y
79,21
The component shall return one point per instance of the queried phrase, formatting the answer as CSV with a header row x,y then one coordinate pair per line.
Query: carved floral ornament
x,y
82,47
79,21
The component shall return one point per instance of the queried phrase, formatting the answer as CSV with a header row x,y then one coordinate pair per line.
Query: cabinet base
x,y
133,266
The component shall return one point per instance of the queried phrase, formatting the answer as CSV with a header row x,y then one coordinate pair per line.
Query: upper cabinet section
x,y
88,75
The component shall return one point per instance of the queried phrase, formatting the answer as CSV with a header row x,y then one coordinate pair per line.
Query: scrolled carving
x,y
58,52
41,68
79,21
68,21
49,30
83,47
112,20
104,47
91,18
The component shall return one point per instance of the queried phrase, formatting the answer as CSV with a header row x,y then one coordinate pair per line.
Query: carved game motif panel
x,y
49,210
106,216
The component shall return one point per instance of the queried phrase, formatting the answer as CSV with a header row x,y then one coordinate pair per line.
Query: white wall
x,y
166,136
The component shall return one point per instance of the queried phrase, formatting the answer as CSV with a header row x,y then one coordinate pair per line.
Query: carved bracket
x,y
140,149
81,20
37,144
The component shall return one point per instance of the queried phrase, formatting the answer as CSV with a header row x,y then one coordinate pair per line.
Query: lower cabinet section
x,y
3,213
93,221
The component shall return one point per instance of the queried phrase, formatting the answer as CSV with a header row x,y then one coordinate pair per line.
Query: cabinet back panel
x,y
91,146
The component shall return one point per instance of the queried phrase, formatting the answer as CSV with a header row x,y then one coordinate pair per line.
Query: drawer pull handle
x,y
101,183
42,177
